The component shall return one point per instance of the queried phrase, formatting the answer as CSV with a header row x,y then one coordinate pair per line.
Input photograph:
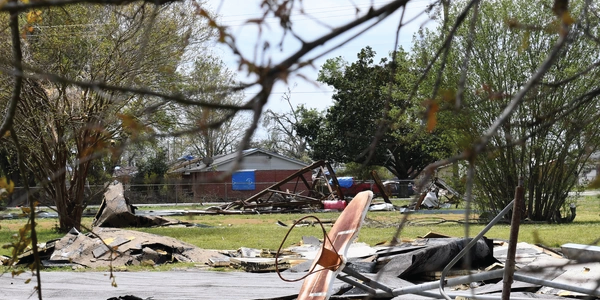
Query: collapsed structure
x,y
312,187
434,266
487,272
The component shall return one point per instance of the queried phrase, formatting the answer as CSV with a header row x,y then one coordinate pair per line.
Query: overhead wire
x,y
308,12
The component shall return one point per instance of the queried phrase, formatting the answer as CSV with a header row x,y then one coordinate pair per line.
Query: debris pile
x,y
313,185
417,263
116,247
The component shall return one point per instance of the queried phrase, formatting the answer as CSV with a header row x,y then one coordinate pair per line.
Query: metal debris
x,y
116,211
117,247
405,273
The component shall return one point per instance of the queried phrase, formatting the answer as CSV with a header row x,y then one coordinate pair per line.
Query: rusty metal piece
x,y
329,259
509,266
382,189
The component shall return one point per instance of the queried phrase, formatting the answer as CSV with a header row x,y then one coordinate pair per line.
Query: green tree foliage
x,y
64,127
549,137
372,120
152,171
359,172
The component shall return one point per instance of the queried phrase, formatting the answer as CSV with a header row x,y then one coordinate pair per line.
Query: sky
x,y
305,89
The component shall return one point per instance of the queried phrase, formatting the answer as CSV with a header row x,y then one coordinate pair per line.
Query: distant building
x,y
124,174
258,170
590,173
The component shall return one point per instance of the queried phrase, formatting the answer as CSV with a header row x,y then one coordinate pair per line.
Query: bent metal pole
x,y
468,247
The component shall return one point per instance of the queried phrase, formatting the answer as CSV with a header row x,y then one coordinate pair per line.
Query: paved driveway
x,y
175,285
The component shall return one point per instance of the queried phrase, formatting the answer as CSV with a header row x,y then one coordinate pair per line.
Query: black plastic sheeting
x,y
404,265
436,254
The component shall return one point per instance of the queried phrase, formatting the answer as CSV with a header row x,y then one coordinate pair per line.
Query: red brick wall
x,y
205,189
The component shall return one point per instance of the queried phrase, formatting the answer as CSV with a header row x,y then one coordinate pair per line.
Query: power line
x,y
295,18
338,7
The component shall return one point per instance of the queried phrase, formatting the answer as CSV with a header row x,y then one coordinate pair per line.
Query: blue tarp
x,y
186,157
243,181
345,182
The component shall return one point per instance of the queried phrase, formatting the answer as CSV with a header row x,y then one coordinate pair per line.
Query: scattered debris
x,y
581,253
431,267
128,248
382,207
317,188
437,184
259,264
434,256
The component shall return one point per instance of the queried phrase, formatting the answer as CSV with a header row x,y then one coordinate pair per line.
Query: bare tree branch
x,y
21,6
100,85
9,115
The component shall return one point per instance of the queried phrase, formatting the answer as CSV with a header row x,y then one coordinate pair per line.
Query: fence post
x,y
509,265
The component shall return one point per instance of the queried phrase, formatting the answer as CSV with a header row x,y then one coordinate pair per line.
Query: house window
x,y
243,180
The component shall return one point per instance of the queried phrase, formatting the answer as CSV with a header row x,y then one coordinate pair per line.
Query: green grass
x,y
230,232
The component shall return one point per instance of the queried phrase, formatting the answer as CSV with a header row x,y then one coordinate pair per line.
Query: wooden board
x,y
332,257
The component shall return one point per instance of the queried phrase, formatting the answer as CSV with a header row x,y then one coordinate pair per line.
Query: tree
x,y
282,130
209,81
571,23
64,127
150,175
372,120
532,144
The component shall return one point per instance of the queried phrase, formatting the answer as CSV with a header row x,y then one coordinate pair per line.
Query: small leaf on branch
x,y
431,115
8,185
131,124
34,16
567,19
449,96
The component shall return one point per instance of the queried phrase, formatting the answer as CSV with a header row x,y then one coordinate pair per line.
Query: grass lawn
x,y
229,232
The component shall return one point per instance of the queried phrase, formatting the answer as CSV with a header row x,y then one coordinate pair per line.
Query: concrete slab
x,y
171,285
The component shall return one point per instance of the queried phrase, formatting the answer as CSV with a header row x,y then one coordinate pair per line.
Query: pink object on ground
x,y
334,204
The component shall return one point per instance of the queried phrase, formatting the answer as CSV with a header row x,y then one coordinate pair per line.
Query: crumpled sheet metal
x,y
115,211
131,248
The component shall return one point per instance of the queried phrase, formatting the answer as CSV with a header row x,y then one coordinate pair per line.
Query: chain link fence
x,y
139,194
175,193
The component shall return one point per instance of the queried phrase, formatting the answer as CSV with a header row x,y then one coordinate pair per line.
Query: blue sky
x,y
332,12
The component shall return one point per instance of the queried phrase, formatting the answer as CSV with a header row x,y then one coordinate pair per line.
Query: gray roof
x,y
197,165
